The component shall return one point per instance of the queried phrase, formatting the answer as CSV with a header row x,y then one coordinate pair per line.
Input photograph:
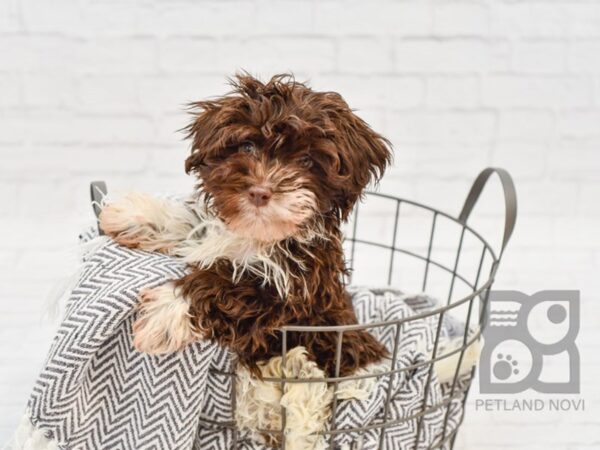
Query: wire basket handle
x,y
510,201
97,193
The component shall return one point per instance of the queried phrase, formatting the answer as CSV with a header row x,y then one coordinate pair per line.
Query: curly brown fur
x,y
280,166
247,315
293,125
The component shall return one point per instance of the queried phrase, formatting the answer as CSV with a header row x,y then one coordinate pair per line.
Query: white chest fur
x,y
211,240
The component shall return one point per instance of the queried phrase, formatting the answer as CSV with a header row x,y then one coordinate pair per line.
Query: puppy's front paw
x,y
163,324
134,221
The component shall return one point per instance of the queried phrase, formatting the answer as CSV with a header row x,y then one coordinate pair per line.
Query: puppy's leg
x,y
146,222
163,323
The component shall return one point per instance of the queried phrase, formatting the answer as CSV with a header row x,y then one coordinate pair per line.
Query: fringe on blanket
x,y
28,437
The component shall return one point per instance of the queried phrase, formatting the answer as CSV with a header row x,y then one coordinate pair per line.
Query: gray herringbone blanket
x,y
96,392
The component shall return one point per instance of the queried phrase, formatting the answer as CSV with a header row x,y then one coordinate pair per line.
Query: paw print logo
x,y
505,367
524,332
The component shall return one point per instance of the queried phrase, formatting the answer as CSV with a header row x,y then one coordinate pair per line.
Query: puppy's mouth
x,y
268,216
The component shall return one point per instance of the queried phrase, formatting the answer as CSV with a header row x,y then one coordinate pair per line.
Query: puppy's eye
x,y
306,161
247,147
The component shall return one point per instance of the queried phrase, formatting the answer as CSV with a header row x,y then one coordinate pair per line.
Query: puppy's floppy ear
x,y
204,131
211,130
363,154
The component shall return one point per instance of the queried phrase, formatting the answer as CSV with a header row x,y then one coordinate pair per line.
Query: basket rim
x,y
463,224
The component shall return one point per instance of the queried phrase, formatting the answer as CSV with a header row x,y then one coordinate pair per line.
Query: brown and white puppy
x,y
280,167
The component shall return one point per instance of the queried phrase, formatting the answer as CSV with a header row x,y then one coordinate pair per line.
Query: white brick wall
x,y
94,90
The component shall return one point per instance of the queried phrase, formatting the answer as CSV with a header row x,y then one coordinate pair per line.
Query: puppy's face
x,y
275,158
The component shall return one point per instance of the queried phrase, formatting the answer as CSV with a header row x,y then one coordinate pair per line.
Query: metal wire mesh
x,y
463,292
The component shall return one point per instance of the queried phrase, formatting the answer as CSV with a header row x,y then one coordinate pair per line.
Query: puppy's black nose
x,y
259,196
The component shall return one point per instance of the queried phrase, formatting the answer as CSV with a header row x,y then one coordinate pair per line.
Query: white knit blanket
x,y
96,392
